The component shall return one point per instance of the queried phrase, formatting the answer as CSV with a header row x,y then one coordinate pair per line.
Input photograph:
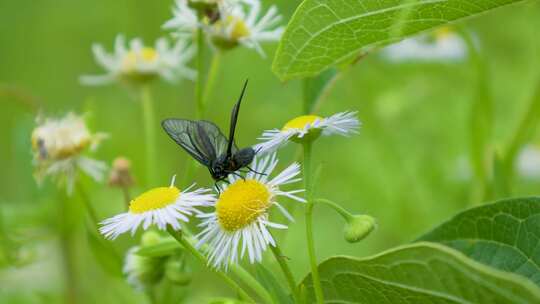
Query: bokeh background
x,y
407,167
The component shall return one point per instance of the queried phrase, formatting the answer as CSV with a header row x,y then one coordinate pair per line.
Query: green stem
x,y
67,250
211,79
344,213
280,258
244,276
150,134
191,249
248,280
309,223
199,113
88,205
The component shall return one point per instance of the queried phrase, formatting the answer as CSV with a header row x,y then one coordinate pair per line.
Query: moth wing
x,y
217,139
198,138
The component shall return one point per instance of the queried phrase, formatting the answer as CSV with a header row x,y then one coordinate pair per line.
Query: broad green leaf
x,y
276,290
419,273
106,256
314,88
166,247
504,235
324,33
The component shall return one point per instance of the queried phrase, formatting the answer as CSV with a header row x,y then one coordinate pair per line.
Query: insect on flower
x,y
205,142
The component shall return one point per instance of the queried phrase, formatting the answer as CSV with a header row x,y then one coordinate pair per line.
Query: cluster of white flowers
x,y
229,24
226,23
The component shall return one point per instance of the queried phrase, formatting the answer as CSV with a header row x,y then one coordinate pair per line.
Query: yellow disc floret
x,y
241,204
132,58
156,198
301,122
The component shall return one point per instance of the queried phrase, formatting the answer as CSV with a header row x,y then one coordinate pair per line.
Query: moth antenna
x,y
172,181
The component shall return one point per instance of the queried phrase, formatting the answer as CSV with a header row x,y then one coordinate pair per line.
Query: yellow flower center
x,y
301,122
241,204
239,29
156,198
443,32
132,58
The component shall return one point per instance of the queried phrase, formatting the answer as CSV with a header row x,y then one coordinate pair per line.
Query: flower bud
x,y
358,228
150,238
177,271
120,174
143,272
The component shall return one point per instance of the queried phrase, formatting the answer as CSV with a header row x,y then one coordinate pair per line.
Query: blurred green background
x,y
405,167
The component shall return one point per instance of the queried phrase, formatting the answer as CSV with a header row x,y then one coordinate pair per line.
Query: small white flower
x,y
160,206
184,21
227,23
441,45
138,63
308,127
58,145
240,223
240,23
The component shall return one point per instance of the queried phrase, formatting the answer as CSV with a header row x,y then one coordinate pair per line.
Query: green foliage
x,y
419,273
268,281
165,247
323,33
104,253
504,235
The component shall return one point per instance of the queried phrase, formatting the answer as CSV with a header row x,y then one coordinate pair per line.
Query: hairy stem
x,y
309,223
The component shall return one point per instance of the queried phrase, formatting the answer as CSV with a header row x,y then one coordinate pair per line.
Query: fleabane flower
x,y
241,22
184,22
442,44
137,63
58,146
240,221
160,206
308,128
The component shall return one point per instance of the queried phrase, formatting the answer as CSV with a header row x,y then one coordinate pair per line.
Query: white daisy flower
x,y
58,146
308,127
138,63
240,218
440,45
161,206
240,23
184,21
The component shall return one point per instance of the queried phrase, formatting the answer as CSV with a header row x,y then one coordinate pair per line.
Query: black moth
x,y
204,141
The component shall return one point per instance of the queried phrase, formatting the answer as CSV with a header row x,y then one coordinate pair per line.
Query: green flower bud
x,y
358,228
150,238
177,271
141,271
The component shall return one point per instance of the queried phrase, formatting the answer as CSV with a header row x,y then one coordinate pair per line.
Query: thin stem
x,y
344,213
309,223
280,258
88,205
200,72
127,196
149,133
67,248
244,276
211,79
189,247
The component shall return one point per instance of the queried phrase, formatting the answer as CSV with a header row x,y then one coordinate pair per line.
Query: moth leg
x,y
251,170
236,174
